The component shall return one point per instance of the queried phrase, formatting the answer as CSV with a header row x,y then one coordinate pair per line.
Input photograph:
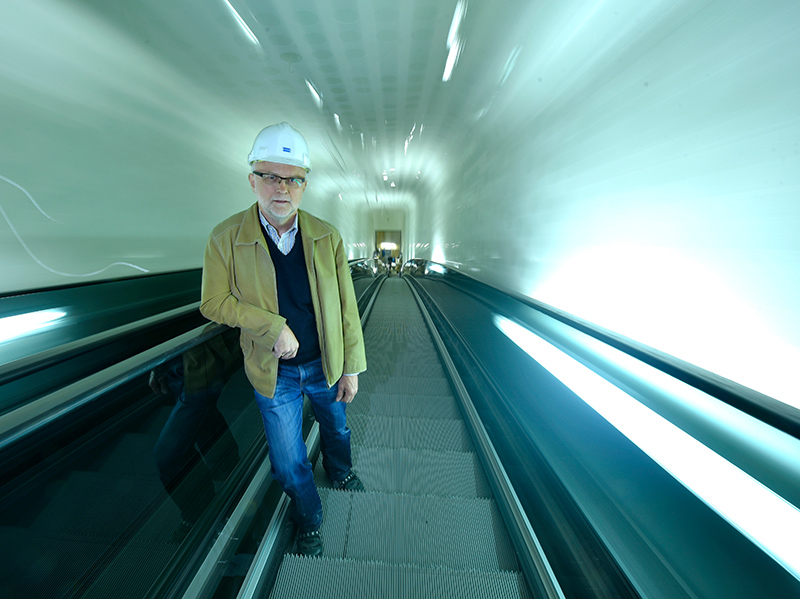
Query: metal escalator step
x,y
43,565
419,339
345,579
93,503
396,368
416,529
392,346
416,472
390,325
406,406
406,385
381,364
411,433
130,573
132,456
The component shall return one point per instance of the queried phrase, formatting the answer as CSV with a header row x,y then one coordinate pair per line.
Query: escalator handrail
x,y
20,367
533,560
28,418
758,405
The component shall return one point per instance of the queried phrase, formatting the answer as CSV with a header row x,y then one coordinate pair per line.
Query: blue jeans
x,y
283,423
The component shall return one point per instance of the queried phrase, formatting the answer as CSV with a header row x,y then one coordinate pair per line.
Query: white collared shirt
x,y
284,242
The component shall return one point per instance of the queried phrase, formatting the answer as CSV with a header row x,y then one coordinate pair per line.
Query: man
x,y
281,276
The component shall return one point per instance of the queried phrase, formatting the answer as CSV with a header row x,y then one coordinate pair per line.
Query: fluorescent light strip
x,y
458,16
767,519
13,327
452,59
242,24
314,94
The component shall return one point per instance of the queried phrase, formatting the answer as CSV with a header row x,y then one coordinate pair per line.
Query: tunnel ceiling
x,y
363,79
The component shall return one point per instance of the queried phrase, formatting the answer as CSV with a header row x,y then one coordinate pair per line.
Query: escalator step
x,y
321,577
386,366
426,530
132,456
411,433
406,406
130,575
43,565
95,504
383,362
416,472
406,385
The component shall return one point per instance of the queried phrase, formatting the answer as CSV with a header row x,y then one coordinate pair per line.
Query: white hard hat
x,y
283,144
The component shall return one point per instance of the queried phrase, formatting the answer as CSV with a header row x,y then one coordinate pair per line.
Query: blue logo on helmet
x,y
285,149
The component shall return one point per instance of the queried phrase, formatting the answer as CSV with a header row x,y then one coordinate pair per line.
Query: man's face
x,y
277,202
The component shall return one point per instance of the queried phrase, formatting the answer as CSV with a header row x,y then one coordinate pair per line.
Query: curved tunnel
x,y
618,180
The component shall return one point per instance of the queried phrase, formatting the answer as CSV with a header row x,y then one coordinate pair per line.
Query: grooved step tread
x,y
416,472
345,579
94,503
44,565
411,433
383,361
406,385
131,456
404,406
381,368
416,529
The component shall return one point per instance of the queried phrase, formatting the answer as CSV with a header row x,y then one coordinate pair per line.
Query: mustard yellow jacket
x,y
239,290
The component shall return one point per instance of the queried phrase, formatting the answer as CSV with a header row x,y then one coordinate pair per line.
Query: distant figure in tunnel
x,y
281,276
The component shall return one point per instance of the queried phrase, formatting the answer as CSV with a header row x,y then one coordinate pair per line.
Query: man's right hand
x,y
286,346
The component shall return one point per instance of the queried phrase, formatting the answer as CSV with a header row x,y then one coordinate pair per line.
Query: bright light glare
x,y
458,15
437,255
435,268
454,43
388,245
242,24
13,327
679,305
452,59
761,515
314,94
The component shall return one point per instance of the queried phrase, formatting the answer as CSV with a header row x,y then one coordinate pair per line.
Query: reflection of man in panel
x,y
281,276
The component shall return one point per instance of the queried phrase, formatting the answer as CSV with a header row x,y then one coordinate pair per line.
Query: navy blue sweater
x,y
294,299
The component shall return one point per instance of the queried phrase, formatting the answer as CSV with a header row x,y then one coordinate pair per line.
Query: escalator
x,y
464,444
96,512
427,525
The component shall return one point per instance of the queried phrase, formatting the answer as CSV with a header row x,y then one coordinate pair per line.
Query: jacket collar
x,y
250,230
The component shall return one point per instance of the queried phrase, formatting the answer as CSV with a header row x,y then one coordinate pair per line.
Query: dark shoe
x,y
309,543
350,482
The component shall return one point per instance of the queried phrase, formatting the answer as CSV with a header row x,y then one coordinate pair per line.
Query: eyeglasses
x,y
274,180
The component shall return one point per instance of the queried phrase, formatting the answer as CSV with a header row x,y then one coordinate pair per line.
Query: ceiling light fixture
x,y
242,24
314,94
454,43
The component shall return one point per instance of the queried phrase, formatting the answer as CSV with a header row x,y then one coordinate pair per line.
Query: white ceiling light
x,y
20,325
454,44
242,24
315,94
